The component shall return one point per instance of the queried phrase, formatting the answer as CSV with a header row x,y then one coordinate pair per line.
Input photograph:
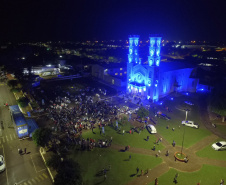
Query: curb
x,y
42,151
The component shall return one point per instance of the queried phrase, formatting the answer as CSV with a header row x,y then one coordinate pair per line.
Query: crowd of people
x,y
71,115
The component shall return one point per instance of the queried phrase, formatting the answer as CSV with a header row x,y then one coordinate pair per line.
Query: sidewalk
x,y
46,156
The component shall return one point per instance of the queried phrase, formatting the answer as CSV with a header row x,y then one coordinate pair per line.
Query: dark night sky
x,y
24,20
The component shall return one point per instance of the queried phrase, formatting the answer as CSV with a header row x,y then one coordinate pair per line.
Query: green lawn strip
x,y
121,170
134,140
221,128
209,152
192,135
207,175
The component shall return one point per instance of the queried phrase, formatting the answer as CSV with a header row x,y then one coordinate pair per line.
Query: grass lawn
x,y
93,162
221,128
209,152
208,175
192,135
134,140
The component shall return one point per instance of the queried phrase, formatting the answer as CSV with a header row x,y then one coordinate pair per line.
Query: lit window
x,y
121,69
120,74
116,73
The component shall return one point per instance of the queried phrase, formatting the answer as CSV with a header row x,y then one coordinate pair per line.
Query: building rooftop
x,y
112,65
175,65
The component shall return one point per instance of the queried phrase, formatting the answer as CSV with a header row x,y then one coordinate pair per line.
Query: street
x,y
25,169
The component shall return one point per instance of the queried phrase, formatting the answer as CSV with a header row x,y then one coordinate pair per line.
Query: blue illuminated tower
x,y
154,59
133,49
133,56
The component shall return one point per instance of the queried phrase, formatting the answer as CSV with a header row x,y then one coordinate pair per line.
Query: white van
x,y
151,128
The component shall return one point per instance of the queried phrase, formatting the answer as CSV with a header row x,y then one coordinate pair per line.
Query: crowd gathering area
x,y
113,145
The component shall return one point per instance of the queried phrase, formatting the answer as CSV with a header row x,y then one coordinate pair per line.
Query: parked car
x,y
2,163
164,116
189,103
220,145
190,124
151,128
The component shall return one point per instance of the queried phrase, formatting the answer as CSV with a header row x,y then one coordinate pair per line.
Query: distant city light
x,y
23,58
61,56
171,98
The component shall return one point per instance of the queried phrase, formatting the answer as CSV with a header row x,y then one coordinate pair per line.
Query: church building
x,y
156,79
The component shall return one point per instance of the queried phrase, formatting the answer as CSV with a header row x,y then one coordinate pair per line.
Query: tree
x,y
15,90
42,136
217,100
54,161
68,173
23,102
142,112
12,83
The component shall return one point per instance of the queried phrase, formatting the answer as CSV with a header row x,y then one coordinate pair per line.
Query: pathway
x,y
195,163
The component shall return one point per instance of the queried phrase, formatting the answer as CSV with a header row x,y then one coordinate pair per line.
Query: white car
x,y
151,128
220,145
2,163
189,103
190,124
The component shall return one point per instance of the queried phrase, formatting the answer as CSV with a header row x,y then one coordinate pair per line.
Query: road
x,y
25,169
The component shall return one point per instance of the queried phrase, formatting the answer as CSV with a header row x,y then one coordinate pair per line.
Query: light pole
x,y
183,142
186,113
186,110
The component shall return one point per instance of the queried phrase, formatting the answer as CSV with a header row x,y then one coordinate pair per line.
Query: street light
x,y
186,115
186,110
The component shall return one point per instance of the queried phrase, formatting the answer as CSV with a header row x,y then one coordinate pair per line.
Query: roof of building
x,y
175,65
32,125
17,116
112,65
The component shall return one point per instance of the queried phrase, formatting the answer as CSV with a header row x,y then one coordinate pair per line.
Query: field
x,y
208,175
122,170
197,142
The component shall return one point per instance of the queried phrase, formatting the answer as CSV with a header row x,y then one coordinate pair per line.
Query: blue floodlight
x,y
157,52
136,41
130,59
157,62
151,52
171,98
